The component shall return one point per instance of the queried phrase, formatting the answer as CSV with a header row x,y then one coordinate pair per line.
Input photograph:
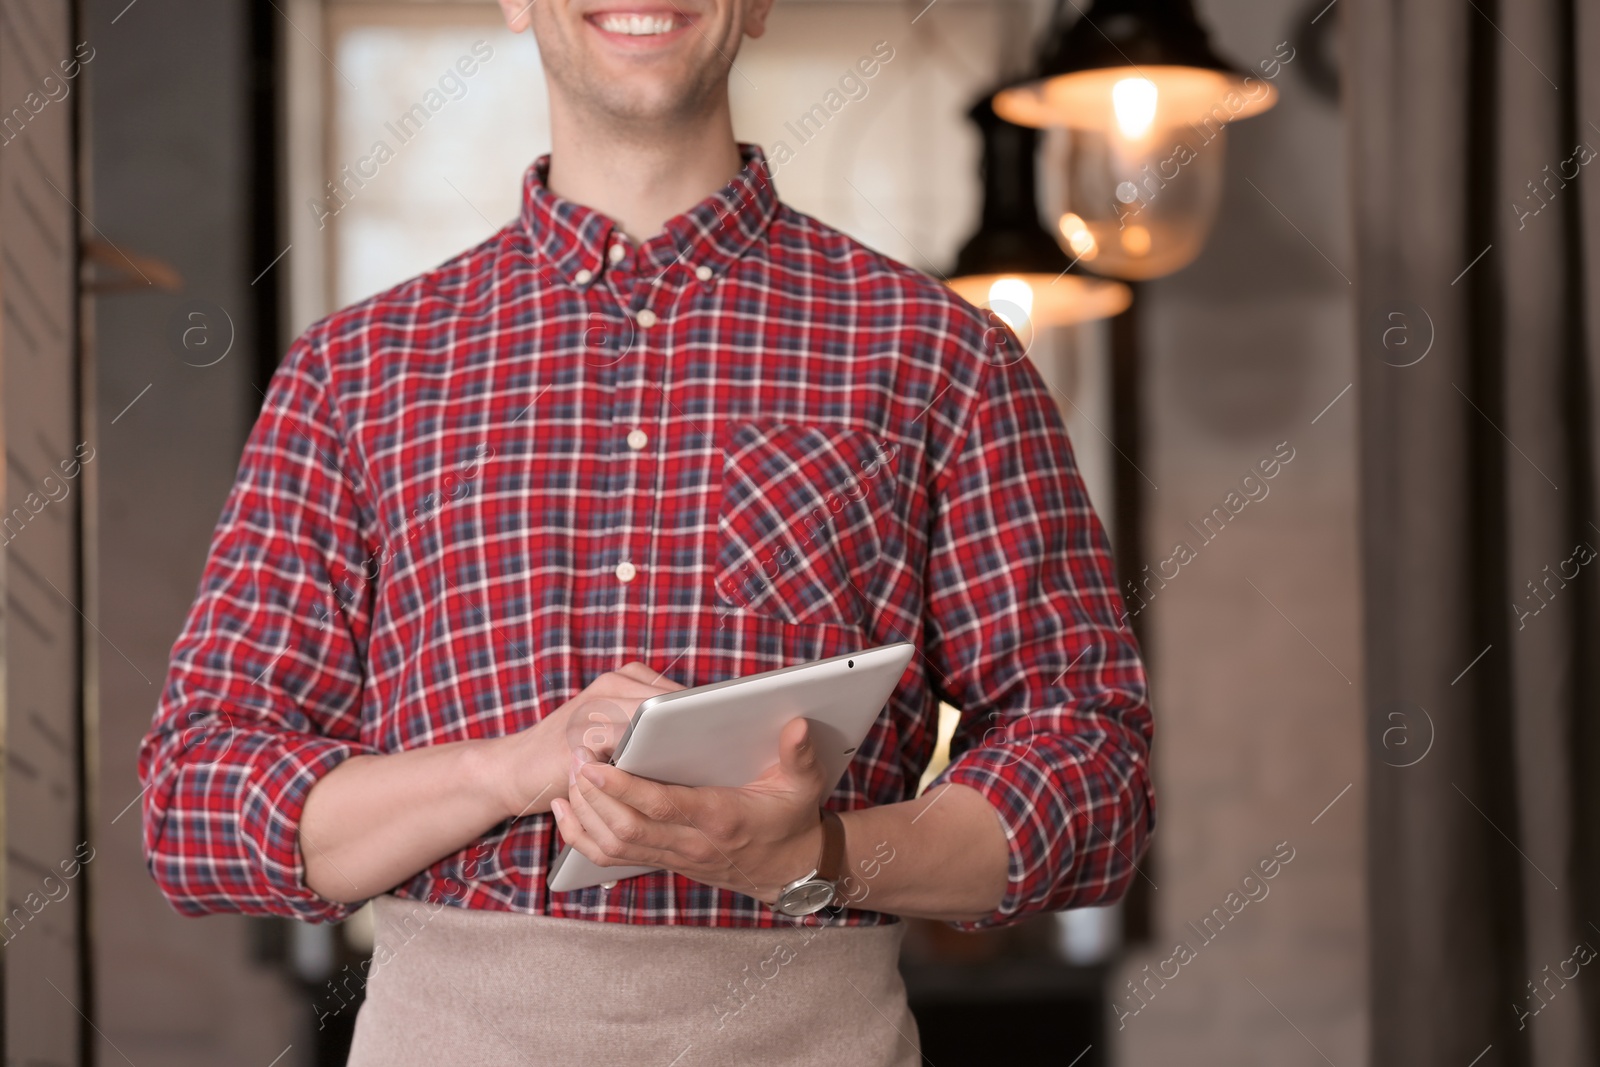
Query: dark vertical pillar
x,y
1494,786
181,177
1127,434
1578,418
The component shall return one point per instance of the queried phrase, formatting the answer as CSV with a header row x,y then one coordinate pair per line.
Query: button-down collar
x,y
707,239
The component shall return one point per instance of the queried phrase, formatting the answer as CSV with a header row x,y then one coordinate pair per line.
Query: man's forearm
x,y
941,856
374,821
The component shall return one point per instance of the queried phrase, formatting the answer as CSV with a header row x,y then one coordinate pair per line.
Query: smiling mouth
x,y
629,24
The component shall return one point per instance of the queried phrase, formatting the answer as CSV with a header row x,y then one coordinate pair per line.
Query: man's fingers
x,y
662,803
587,831
641,672
632,681
573,833
618,686
623,831
692,820
618,836
635,670
626,835
797,754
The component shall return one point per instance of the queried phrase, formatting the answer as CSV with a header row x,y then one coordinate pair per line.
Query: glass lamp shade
x,y
1146,103
1135,208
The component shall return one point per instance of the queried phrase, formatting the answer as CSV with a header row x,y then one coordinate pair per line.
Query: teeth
x,y
638,25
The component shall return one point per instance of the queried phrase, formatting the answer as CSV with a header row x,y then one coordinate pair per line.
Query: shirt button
x,y
637,439
646,318
617,252
583,277
703,273
626,572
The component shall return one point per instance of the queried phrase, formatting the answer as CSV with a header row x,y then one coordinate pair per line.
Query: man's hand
x,y
754,839
535,766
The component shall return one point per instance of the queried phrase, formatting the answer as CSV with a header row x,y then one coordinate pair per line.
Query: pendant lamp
x,y
1012,265
1146,103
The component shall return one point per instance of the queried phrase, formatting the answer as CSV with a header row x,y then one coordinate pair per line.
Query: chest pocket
x,y
799,532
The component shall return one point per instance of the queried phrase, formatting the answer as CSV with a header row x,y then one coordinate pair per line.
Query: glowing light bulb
x,y
1136,241
1134,101
1012,300
1079,239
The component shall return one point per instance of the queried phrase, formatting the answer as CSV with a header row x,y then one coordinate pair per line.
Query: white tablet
x,y
726,734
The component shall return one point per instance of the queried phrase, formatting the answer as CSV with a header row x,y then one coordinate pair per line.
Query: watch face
x,y
806,898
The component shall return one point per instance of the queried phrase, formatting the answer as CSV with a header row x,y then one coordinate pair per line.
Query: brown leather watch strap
x,y
831,867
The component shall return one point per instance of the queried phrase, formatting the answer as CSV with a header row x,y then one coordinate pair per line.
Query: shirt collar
x,y
706,240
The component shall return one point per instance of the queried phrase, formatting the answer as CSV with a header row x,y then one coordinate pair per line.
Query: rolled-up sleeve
x,y
1028,638
262,696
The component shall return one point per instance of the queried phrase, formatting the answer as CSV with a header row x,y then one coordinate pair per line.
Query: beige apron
x,y
470,986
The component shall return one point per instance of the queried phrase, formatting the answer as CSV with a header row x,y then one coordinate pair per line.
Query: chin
x,y
642,98
637,98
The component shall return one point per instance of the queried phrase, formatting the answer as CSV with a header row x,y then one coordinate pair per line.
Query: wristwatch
x,y
818,888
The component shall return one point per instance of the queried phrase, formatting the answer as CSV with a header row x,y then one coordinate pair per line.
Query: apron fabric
x,y
454,985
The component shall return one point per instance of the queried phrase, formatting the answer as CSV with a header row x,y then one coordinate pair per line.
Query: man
x,y
659,431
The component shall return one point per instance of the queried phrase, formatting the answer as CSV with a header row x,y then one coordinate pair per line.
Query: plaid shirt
x,y
745,443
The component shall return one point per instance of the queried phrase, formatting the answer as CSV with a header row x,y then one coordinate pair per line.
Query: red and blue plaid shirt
x,y
745,443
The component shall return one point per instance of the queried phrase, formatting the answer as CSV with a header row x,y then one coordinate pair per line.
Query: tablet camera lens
x,y
851,663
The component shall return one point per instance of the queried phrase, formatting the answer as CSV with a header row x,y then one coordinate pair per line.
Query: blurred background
x,y
1311,284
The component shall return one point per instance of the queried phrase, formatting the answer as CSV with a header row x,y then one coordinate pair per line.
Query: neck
x,y
640,179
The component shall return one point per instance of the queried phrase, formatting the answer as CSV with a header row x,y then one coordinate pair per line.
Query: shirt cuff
x,y
282,772
1025,798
